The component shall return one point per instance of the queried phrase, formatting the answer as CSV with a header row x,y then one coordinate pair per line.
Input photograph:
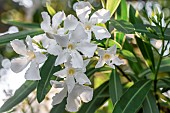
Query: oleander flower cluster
x,y
69,38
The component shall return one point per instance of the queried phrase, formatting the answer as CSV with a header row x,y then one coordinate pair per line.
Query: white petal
x,y
61,74
115,60
81,78
29,43
86,93
33,72
6,63
54,49
78,34
102,16
87,49
100,63
100,52
42,38
77,60
40,58
46,23
57,19
58,98
62,57
83,9
61,40
100,32
18,64
112,50
19,47
73,102
71,22
70,83
57,84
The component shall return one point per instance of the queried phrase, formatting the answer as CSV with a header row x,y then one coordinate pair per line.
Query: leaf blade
x,y
112,5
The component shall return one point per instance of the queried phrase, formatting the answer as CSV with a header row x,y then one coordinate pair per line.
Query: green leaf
x,y
20,35
149,104
46,73
60,108
147,53
19,95
128,55
115,87
123,26
134,17
132,99
101,94
112,5
23,24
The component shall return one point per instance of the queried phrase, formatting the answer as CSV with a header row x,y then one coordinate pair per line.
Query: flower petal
x,y
54,49
71,22
77,60
70,83
87,49
102,16
83,9
100,32
19,47
61,73
78,34
40,58
112,50
33,72
86,93
62,57
57,84
81,78
73,102
18,64
29,43
58,98
61,40
57,19
46,23
100,63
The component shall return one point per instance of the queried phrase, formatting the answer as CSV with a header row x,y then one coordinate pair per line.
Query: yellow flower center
x,y
70,46
71,71
31,54
88,27
107,56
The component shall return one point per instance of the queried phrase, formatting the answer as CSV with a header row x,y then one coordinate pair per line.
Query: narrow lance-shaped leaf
x,y
149,104
23,24
123,26
46,75
20,35
128,55
112,5
132,99
101,94
19,95
115,87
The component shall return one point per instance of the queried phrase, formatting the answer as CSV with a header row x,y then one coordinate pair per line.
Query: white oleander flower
x,y
53,26
80,93
29,56
71,45
83,9
108,57
74,75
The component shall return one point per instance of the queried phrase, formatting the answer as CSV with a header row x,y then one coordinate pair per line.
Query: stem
x,y
159,63
123,73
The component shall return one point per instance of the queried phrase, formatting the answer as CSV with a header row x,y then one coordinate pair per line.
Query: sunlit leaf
x,y
112,5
